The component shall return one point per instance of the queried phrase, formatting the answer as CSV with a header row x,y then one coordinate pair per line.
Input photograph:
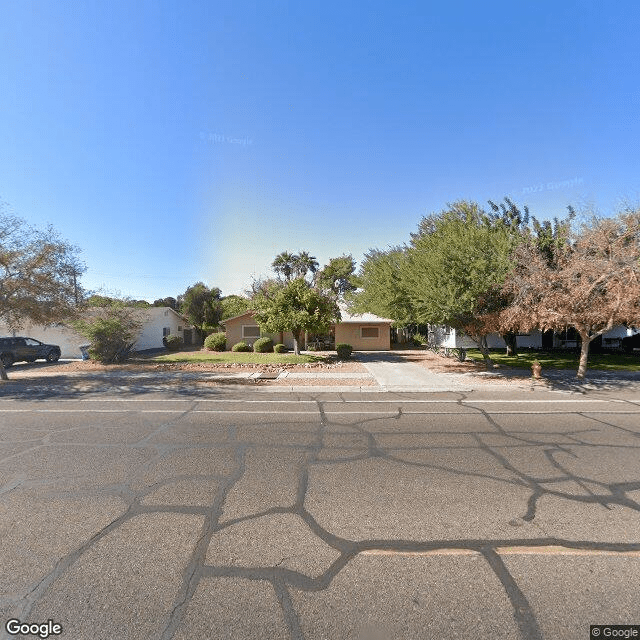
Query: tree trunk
x,y
296,342
200,333
484,350
584,354
510,339
3,372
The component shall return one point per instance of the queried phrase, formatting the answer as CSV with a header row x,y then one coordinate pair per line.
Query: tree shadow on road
x,y
75,388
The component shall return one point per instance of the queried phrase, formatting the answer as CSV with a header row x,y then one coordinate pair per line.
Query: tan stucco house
x,y
365,332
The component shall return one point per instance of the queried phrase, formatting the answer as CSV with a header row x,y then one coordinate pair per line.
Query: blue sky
x,y
184,141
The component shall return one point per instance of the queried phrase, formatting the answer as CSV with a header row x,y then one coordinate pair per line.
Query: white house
x,y
158,323
161,322
449,338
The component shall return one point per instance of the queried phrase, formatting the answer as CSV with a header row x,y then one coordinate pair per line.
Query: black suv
x,y
16,349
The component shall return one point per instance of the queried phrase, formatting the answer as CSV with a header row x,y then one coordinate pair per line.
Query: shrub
x,y
216,342
111,330
173,343
280,348
263,345
208,329
241,346
344,350
420,340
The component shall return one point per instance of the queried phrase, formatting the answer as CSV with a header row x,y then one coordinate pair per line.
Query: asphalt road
x,y
511,514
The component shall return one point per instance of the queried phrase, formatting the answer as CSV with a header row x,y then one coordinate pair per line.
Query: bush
x,y
344,350
216,342
241,346
112,331
173,343
208,329
280,348
420,340
263,345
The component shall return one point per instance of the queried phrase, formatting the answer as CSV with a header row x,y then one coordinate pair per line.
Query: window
x,y
30,342
250,331
369,332
166,331
179,328
166,313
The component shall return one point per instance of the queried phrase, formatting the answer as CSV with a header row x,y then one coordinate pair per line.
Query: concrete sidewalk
x,y
390,371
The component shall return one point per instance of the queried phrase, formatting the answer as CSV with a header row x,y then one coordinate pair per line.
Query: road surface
x,y
176,515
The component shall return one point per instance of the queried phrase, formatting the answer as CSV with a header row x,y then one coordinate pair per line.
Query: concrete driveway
x,y
393,373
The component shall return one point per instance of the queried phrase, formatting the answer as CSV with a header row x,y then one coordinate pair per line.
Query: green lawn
x,y
562,360
237,356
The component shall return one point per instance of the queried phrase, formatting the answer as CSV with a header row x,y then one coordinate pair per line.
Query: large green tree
x,y
170,302
202,307
294,306
382,288
98,300
38,275
234,305
455,269
338,276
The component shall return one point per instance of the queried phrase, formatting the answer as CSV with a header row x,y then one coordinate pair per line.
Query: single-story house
x,y
158,323
366,332
161,322
449,338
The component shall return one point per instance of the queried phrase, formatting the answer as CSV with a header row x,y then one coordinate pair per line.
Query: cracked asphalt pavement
x,y
223,514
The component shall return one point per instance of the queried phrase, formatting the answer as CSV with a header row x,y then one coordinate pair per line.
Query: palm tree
x,y
304,263
284,263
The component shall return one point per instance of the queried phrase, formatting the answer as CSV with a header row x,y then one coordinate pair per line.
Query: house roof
x,y
150,312
156,311
175,313
369,318
246,313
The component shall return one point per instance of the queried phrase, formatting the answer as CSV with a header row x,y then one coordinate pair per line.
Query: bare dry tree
x,y
39,274
590,283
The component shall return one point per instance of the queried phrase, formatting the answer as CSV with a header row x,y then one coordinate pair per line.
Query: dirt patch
x,y
440,364
443,364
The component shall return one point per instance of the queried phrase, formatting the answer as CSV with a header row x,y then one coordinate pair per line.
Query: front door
x,y
187,336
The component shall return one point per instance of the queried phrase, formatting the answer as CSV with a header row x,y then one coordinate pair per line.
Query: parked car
x,y
16,349
631,343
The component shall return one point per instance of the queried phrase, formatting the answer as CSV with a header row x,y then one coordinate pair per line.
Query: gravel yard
x,y
87,366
